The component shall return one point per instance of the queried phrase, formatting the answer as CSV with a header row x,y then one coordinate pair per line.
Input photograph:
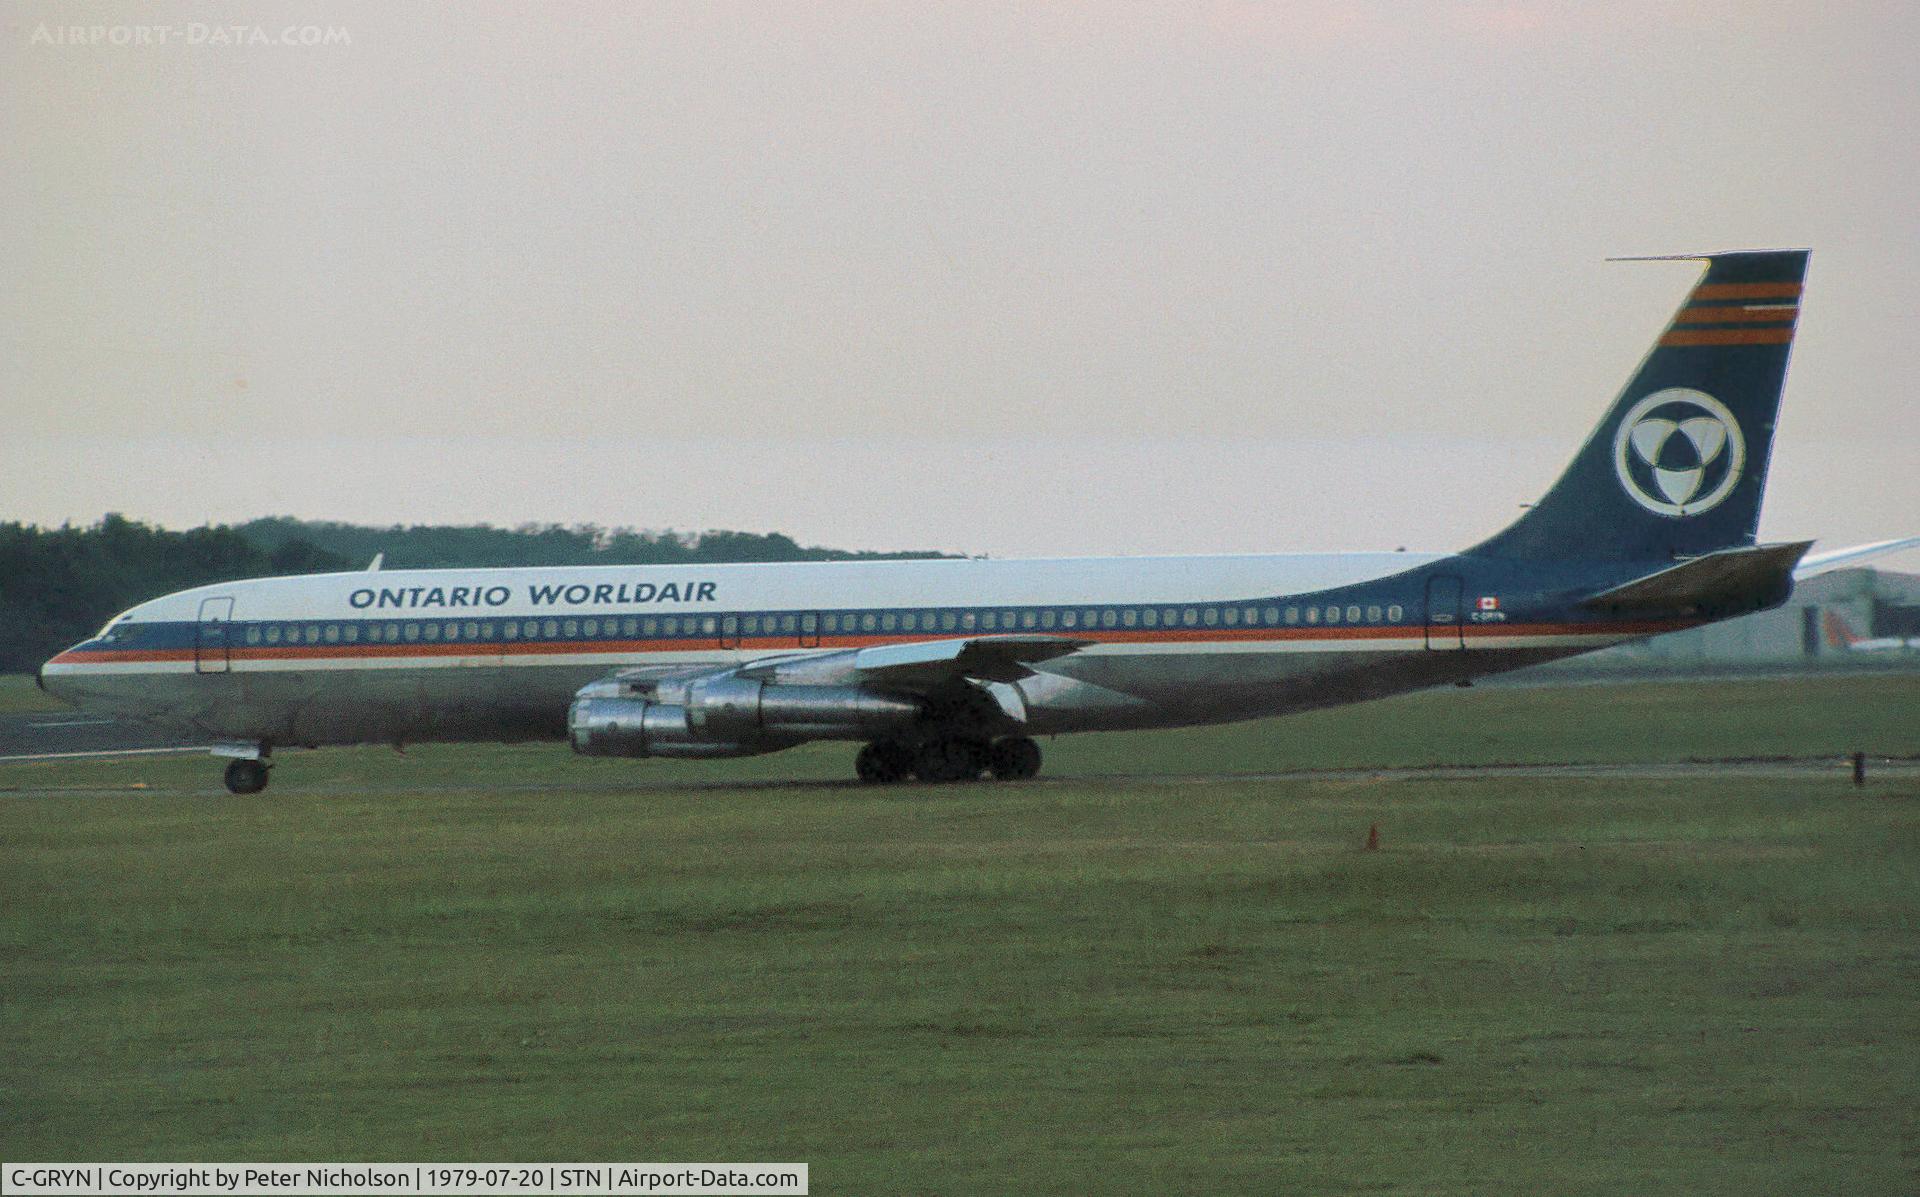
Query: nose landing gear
x,y
246,776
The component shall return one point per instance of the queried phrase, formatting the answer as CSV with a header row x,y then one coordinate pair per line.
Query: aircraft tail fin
x,y
1678,466
1839,635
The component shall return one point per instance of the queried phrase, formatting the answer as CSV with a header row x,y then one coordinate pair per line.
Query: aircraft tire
x,y
246,776
949,758
1015,758
883,764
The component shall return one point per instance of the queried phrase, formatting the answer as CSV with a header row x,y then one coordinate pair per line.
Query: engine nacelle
x,y
725,715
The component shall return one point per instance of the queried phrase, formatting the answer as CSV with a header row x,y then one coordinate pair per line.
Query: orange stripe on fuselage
x,y
1728,336
329,652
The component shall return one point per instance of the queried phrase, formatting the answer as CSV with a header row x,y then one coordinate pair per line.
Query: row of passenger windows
x,y
812,624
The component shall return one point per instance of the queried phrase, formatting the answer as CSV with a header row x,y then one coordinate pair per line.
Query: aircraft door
x,y
1445,627
212,638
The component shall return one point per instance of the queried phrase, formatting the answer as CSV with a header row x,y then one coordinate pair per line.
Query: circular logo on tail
x,y
1679,452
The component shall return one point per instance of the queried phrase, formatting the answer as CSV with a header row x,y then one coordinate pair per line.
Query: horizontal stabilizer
x,y
984,658
1819,563
1730,580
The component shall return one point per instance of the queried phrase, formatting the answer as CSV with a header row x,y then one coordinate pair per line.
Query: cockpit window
x,y
119,627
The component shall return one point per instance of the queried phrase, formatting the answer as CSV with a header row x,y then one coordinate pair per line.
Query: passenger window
x,y
1272,616
1250,616
273,634
1313,615
253,635
531,630
1109,618
649,627
672,626
1211,616
1048,619
1006,620
833,623
990,620
551,629
889,622
730,625
868,622
709,626
571,628
1129,617
1373,615
948,620
967,620
1353,614
809,624
413,632
313,633
592,627
486,630
789,624
1027,619
910,621
1190,616
1233,616
1394,613
1293,615
352,633
332,633
1090,618
1167,617
1151,617
1333,615
511,629
430,631
1069,619
750,625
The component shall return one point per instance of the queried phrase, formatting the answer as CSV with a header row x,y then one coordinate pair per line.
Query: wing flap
x,y
984,658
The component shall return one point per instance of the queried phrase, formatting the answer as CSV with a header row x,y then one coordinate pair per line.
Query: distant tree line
x,y
59,585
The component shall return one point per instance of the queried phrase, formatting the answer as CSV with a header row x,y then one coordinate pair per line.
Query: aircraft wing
x,y
1819,563
1729,579
984,658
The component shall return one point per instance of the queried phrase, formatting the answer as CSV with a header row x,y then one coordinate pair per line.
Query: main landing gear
x,y
948,758
246,776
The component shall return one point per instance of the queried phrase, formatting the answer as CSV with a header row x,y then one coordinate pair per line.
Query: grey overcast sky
x,y
1008,279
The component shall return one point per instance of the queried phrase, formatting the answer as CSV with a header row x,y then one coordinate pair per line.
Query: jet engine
x,y
725,714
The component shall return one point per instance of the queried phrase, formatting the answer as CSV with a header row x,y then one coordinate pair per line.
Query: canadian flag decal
x,y
1489,602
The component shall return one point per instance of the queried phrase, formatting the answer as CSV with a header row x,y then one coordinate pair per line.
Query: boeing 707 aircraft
x,y
947,670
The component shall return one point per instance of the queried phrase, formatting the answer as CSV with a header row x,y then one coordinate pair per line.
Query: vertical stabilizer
x,y
1679,465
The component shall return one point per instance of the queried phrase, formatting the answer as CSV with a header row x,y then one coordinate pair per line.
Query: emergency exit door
x,y
1445,625
213,638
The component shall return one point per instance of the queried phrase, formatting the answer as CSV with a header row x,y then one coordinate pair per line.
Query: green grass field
x,y
1097,984
18,695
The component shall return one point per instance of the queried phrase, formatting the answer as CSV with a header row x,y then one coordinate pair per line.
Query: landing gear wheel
x,y
246,776
883,764
950,758
1015,758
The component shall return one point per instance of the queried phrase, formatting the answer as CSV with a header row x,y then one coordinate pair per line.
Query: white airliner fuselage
x,y
948,668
